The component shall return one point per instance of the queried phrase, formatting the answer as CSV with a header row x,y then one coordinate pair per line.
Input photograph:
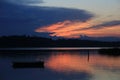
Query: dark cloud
x,y
17,19
104,25
23,1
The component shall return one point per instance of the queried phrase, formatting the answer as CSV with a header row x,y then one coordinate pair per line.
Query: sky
x,y
60,18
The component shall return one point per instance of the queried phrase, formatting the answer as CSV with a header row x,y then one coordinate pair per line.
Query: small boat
x,y
39,64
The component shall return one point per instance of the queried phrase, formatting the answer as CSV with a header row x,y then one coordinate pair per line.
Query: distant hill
x,y
107,39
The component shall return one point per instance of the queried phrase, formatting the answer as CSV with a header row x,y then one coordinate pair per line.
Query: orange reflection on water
x,y
68,63
79,63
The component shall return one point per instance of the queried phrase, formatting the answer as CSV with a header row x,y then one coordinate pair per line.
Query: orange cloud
x,y
73,29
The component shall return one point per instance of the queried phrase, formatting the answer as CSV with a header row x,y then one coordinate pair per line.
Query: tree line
x,y
34,41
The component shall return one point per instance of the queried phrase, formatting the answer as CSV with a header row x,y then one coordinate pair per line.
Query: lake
x,y
60,64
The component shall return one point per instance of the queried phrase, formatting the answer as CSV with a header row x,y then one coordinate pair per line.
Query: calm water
x,y
61,65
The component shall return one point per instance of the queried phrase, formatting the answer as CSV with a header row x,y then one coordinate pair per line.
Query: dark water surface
x,y
61,65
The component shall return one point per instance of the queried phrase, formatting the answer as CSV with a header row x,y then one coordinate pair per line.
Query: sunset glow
x,y
59,39
73,29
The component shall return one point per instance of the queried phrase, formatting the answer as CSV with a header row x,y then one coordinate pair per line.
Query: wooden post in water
x,y
88,55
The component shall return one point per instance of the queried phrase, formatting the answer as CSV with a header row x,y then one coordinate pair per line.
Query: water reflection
x,y
67,62
101,67
62,65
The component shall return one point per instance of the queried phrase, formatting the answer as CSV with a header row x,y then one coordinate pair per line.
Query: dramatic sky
x,y
60,18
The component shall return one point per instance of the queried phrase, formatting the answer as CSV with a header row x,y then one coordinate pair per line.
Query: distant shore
x,y
24,41
110,51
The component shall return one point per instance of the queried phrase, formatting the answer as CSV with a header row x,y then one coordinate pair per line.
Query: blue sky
x,y
102,8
